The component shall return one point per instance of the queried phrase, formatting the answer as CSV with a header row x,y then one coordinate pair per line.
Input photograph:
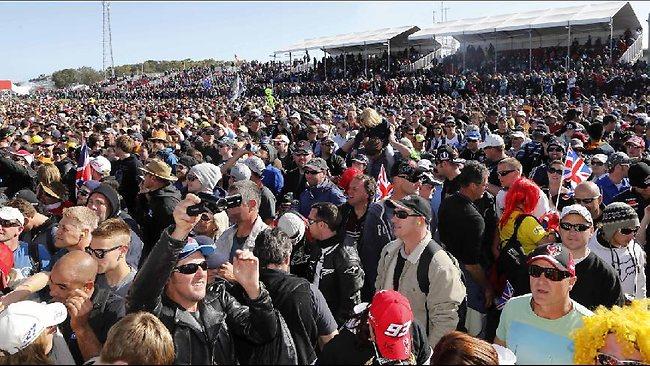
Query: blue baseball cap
x,y
193,245
473,135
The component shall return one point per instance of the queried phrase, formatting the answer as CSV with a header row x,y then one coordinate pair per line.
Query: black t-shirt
x,y
399,267
449,187
597,284
493,178
108,308
461,228
267,204
345,348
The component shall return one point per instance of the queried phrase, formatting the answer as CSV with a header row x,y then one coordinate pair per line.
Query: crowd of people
x,y
429,218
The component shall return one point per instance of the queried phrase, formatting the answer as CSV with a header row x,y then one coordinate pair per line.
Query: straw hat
x,y
158,135
160,169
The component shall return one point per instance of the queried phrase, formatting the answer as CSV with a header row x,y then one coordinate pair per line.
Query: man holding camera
x,y
172,285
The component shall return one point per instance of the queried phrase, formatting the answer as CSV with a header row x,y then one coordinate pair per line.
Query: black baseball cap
x,y
406,171
639,175
448,153
414,202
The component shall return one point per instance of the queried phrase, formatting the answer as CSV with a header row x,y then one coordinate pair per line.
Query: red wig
x,y
522,195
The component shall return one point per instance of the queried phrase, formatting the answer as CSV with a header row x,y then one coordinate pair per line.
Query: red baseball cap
x,y
390,318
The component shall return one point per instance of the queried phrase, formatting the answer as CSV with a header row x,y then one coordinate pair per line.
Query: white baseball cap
x,y
24,321
255,164
12,214
492,140
101,165
578,210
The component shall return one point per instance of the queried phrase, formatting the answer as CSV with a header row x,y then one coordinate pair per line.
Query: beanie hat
x,y
187,160
618,215
292,225
111,195
209,175
240,172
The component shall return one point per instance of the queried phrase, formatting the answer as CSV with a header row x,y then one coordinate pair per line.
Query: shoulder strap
x,y
423,265
35,255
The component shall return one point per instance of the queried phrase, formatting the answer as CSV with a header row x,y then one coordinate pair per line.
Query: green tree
x,y
64,78
88,75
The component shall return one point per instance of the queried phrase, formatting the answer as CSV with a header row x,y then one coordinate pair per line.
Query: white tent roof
x,y
350,39
538,20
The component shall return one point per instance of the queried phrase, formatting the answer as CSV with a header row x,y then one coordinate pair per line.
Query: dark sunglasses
x,y
577,227
554,171
554,149
552,274
311,172
9,223
100,253
191,268
191,178
503,173
597,163
403,214
605,359
585,201
628,230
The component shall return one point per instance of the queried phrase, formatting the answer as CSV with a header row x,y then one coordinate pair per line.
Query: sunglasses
x,y
554,149
628,230
585,201
312,222
191,178
577,227
9,223
100,253
403,214
552,274
503,173
205,217
191,268
554,171
597,163
311,172
605,359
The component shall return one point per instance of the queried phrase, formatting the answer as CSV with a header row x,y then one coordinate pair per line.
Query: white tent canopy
x,y
582,18
338,44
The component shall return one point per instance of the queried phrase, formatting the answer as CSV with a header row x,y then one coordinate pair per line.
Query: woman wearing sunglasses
x,y
614,243
537,326
555,171
615,337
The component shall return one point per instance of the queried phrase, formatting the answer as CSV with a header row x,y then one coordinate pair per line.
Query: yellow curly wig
x,y
631,324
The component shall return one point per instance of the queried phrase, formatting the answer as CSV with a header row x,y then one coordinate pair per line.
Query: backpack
x,y
511,264
423,281
281,350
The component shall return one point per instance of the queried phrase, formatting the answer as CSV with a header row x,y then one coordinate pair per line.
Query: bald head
x,y
587,189
588,195
77,266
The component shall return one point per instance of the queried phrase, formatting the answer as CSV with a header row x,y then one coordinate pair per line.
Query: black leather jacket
x,y
341,277
210,340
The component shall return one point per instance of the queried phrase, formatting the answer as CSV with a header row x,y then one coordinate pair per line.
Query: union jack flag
x,y
508,291
384,187
575,169
83,166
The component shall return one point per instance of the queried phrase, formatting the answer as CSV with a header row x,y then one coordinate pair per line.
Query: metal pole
x,y
325,64
648,51
345,66
464,52
611,40
388,58
365,60
568,48
495,50
530,50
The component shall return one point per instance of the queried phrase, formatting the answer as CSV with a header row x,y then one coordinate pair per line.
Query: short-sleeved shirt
x,y
461,228
325,321
536,340
122,288
530,231
267,204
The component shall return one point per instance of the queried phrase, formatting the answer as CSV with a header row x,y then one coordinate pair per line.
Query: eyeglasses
x,y
403,214
554,171
628,230
577,227
503,173
605,359
191,268
552,274
205,217
311,172
585,201
9,223
597,163
312,221
100,253
554,149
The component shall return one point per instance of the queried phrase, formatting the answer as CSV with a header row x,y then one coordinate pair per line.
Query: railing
x,y
421,63
302,67
633,53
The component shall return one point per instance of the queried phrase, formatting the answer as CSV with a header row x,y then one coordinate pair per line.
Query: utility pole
x,y
107,41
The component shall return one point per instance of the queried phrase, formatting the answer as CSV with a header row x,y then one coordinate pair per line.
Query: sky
x,y
42,37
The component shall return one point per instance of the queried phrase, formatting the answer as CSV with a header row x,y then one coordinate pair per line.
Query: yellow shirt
x,y
530,232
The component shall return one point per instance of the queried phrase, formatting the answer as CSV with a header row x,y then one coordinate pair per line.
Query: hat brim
x,y
314,167
552,261
170,178
206,250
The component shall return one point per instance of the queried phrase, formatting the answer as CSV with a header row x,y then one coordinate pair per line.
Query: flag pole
x,y
557,200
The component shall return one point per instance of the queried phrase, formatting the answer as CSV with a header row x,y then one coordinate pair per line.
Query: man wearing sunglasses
x,y
554,151
598,283
614,242
537,326
319,187
615,181
172,285
588,195
11,226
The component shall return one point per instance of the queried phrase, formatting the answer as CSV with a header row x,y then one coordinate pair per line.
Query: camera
x,y
214,205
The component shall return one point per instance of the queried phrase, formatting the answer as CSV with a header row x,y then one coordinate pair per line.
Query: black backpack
x,y
423,281
511,263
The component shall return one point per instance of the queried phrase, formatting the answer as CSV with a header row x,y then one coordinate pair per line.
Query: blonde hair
x,y
222,222
48,173
370,118
139,339
82,214
33,354
112,228
630,324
